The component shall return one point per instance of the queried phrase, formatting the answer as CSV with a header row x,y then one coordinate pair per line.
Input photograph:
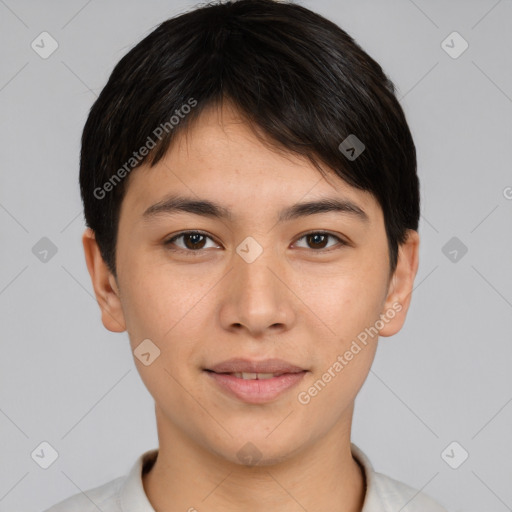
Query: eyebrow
x,y
207,208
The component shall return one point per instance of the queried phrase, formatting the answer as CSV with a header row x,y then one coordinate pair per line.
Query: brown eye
x,y
317,240
192,241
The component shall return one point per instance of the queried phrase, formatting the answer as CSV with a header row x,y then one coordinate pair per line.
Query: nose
x,y
257,297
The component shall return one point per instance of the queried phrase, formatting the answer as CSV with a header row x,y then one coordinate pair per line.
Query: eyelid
x,y
341,241
169,241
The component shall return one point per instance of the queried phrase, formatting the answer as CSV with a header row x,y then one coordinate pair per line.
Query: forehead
x,y
219,157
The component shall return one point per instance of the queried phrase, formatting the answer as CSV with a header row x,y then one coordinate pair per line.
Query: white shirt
x,y
126,493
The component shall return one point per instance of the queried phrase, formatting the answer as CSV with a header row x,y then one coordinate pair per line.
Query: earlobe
x,y
401,285
104,284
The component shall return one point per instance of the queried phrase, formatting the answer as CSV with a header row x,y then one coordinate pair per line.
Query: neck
x,y
323,476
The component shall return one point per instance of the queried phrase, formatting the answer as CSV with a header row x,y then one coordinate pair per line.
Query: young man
x,y
250,190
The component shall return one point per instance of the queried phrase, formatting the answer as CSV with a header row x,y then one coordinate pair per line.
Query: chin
x,y
258,450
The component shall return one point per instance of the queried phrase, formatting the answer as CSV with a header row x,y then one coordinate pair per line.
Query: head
x,y
220,122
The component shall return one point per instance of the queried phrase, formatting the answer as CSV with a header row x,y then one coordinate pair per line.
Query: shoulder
x,y
121,494
385,494
396,493
104,497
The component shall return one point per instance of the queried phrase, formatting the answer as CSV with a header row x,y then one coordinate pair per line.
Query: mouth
x,y
251,376
255,382
273,367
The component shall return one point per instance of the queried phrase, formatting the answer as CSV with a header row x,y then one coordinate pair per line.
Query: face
x,y
256,278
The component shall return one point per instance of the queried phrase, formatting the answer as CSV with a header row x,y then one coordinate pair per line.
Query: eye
x,y
318,239
194,241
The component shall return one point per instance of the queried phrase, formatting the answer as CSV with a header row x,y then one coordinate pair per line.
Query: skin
x,y
302,300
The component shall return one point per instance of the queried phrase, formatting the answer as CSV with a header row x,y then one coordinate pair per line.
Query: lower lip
x,y
256,391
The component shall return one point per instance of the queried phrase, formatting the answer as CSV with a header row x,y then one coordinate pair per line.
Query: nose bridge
x,y
257,298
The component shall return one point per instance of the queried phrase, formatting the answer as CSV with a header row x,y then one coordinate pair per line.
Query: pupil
x,y
315,238
194,237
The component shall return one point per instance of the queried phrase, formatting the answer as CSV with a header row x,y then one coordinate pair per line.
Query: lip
x,y
238,365
255,391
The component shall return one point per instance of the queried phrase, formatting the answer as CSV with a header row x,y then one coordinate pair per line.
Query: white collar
x,y
381,492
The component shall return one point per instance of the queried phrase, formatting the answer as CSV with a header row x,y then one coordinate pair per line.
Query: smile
x,y
255,388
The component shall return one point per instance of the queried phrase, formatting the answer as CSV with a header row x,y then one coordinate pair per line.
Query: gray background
x,y
445,377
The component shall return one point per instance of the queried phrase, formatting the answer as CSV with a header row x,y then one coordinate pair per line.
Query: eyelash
x,y
170,241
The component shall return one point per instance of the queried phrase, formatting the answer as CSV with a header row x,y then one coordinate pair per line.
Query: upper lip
x,y
240,365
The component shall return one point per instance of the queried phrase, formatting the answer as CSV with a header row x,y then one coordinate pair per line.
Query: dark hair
x,y
296,77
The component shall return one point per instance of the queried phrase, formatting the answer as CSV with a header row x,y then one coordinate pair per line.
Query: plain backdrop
x,y
444,378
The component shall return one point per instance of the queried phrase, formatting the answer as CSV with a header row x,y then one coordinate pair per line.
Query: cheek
x,y
160,308
169,307
153,301
347,302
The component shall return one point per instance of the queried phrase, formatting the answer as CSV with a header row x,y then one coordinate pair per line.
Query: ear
x,y
400,286
104,283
